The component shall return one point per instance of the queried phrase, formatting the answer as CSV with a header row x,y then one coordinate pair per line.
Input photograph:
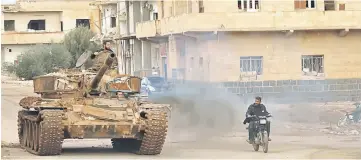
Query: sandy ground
x,y
289,140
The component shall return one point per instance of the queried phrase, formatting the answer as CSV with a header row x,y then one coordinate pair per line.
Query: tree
x,y
41,59
78,41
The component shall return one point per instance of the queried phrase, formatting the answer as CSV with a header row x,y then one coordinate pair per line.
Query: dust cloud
x,y
201,111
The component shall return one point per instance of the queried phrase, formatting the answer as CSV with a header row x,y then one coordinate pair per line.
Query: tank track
x,y
155,133
41,133
153,137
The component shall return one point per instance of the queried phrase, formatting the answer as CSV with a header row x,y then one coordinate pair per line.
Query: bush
x,y
8,67
78,41
42,59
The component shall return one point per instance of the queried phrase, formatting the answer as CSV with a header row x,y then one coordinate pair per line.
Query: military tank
x,y
71,105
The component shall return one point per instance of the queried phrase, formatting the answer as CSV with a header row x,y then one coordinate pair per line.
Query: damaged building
x,y
37,22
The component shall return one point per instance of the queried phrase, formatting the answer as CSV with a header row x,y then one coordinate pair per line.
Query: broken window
x,y
201,7
113,22
329,5
36,24
9,25
248,5
312,65
252,64
83,22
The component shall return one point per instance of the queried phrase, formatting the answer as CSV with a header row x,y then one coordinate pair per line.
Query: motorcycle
x,y
261,134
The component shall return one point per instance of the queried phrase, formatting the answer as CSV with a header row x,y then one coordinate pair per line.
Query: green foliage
x,y
8,67
42,59
78,41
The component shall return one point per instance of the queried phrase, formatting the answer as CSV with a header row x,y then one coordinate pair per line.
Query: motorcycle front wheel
x,y
255,147
265,142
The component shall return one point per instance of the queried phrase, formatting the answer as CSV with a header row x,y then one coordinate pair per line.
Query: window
x,y
9,25
10,50
113,22
303,4
329,5
201,7
36,24
341,7
312,64
201,62
189,6
61,25
83,22
248,5
252,64
162,4
155,16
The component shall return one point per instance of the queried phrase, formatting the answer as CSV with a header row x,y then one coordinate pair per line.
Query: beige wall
x,y
10,52
258,21
52,20
71,10
281,55
31,38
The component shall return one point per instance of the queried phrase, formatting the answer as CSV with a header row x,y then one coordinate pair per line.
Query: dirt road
x,y
286,144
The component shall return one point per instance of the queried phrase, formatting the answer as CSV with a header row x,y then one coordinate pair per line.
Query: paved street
x,y
284,144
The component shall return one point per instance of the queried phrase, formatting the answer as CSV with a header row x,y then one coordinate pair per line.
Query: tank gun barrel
x,y
107,64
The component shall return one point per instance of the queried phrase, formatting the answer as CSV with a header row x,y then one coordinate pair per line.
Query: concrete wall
x,y
281,55
16,50
71,10
290,91
52,20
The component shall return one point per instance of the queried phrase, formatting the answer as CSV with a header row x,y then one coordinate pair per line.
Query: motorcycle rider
x,y
257,109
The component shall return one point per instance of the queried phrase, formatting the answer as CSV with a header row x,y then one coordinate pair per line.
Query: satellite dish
x,y
82,59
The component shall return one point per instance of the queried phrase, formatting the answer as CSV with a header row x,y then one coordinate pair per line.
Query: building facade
x,y
248,41
119,25
27,23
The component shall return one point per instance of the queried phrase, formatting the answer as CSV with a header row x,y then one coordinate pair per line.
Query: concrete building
x,y
32,22
247,41
259,40
119,19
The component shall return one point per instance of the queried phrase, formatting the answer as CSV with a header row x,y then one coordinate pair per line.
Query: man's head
x,y
258,100
106,44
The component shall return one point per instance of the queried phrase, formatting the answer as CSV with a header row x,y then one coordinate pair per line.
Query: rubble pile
x,y
354,129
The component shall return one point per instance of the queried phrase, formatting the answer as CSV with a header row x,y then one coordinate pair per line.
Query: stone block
x,y
331,81
279,83
293,82
257,83
241,84
266,83
272,83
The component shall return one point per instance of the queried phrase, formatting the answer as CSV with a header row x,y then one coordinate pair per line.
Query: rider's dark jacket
x,y
255,109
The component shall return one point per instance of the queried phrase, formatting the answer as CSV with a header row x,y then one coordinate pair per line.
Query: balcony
x,y
255,21
146,29
31,37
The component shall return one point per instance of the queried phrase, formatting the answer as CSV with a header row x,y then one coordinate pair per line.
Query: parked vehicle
x,y
159,83
351,118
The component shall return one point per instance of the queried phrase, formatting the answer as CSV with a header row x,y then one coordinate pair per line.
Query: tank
x,y
75,104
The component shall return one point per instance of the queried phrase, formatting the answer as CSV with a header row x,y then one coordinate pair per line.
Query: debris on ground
x,y
354,129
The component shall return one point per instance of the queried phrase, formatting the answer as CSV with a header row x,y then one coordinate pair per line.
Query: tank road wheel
x,y
41,134
155,133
